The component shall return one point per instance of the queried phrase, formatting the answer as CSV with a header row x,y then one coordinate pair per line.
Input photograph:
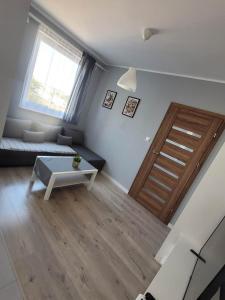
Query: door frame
x,y
158,141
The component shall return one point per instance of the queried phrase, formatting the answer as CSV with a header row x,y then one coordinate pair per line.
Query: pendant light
x,y
128,80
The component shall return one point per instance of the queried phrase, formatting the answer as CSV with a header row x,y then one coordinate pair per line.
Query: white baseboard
x,y
120,186
140,297
170,225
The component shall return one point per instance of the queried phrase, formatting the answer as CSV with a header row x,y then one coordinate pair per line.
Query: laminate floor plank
x,y
80,245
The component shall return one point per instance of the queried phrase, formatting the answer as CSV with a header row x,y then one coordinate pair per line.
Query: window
x,y
51,74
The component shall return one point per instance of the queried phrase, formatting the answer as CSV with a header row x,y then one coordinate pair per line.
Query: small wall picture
x,y
130,107
109,99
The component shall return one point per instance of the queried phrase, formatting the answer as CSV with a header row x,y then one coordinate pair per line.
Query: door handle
x,y
155,152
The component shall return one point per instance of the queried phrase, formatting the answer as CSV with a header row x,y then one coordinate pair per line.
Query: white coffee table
x,y
57,171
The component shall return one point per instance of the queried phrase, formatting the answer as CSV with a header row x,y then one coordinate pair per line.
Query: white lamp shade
x,y
128,80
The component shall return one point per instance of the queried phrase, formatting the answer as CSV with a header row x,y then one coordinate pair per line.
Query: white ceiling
x,y
190,38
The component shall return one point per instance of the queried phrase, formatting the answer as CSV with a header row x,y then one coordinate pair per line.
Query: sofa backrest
x,y
14,128
50,131
77,135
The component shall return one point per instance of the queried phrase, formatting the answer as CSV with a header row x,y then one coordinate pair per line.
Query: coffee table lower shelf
x,y
71,180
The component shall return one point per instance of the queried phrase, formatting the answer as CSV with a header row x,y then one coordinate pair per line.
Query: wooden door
x,y
183,142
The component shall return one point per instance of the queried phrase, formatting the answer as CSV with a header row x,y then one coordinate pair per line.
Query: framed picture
x,y
130,107
109,99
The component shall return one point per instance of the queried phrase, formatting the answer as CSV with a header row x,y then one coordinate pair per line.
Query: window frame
x,y
50,41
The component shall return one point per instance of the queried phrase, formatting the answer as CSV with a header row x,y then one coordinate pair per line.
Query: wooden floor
x,y
79,244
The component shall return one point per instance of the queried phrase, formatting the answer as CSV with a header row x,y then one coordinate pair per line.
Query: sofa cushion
x,y
33,136
19,145
64,140
77,135
51,131
14,128
93,158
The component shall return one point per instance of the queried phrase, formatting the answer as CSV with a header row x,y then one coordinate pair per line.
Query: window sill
x,y
40,112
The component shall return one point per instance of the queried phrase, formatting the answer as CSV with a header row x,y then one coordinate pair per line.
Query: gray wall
x,y
121,140
13,16
15,110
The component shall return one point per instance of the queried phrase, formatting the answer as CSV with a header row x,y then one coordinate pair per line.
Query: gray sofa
x,y
23,140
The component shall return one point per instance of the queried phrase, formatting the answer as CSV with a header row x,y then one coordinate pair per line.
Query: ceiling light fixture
x,y
146,34
128,81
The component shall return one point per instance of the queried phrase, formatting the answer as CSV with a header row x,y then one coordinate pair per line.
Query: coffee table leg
x,y
49,187
90,184
33,176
